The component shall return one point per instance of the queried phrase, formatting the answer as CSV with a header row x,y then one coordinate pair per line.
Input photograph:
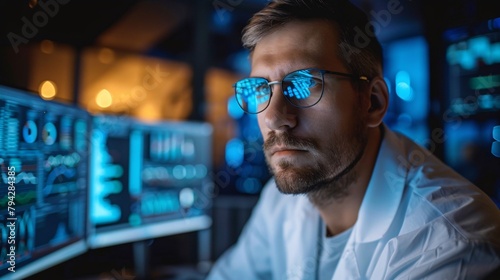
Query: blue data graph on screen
x,y
81,137
66,134
136,144
9,126
45,143
110,200
63,223
52,186
26,178
175,167
30,131
472,66
49,133
472,102
61,174
171,146
160,203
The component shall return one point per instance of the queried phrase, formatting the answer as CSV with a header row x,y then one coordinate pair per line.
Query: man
x,y
350,199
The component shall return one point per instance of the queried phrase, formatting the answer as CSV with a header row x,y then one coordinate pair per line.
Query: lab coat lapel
x,y
384,192
378,210
301,230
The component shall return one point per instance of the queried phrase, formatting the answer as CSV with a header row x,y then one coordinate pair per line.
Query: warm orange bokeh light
x,y
47,90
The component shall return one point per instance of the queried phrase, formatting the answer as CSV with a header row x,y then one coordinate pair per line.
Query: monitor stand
x,y
141,259
141,255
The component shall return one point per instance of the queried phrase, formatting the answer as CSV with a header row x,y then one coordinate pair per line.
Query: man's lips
x,y
285,150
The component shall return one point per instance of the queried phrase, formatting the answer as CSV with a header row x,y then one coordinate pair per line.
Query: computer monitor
x,y
471,114
148,180
43,195
472,69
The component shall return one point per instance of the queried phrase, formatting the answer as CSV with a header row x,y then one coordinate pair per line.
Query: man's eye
x,y
262,88
308,82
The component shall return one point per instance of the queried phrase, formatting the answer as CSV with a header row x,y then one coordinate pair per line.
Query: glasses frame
x,y
322,71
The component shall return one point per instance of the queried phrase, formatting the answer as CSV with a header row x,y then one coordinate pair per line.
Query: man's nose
x,y
280,114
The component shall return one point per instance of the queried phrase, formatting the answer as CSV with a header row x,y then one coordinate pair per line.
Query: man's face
x,y
308,148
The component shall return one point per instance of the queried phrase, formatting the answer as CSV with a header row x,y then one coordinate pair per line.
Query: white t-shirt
x,y
330,251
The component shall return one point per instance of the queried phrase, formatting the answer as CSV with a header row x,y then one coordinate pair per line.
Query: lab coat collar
x,y
384,192
302,229
378,209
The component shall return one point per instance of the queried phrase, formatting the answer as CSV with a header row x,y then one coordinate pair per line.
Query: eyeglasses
x,y
302,88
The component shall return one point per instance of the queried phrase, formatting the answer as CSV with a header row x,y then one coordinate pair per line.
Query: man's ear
x,y
378,102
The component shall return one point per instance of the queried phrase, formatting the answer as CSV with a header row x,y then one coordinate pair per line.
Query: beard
x,y
323,180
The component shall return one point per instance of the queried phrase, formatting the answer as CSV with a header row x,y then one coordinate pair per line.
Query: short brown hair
x,y
360,59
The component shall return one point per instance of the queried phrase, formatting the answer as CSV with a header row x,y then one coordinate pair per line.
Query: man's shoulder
x,y
422,168
435,193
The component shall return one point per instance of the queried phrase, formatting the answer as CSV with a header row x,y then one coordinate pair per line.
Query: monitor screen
x,y
43,195
473,71
472,108
148,179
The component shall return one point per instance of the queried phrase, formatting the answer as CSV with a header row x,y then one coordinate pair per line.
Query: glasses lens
x,y
253,94
303,88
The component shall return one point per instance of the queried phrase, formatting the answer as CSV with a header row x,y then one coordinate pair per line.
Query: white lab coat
x,y
418,220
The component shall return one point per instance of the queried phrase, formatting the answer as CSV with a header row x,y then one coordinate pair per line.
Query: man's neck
x,y
341,213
